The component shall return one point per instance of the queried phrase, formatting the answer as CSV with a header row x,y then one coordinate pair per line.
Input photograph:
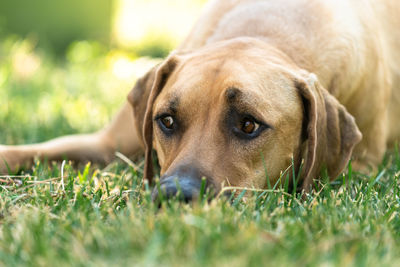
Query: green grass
x,y
100,216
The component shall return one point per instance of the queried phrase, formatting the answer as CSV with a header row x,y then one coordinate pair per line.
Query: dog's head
x,y
239,113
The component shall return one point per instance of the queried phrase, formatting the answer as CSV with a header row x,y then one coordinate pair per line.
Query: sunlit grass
x,y
105,216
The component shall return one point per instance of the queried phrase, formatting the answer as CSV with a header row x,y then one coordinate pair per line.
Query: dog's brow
x,y
243,103
173,104
232,93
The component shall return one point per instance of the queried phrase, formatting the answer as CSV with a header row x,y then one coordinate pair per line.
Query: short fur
x,y
322,73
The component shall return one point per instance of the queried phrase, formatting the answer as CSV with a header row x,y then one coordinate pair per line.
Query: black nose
x,y
184,188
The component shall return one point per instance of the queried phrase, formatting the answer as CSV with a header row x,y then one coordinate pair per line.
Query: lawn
x,y
55,215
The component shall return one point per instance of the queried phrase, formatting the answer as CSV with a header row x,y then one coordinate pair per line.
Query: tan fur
x,y
319,71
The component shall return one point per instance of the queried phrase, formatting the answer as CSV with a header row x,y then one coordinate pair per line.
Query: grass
x,y
99,216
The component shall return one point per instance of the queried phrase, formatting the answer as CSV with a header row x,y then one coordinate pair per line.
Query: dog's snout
x,y
183,186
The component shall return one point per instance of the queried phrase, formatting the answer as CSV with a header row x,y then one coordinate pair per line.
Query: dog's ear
x,y
330,131
142,98
138,98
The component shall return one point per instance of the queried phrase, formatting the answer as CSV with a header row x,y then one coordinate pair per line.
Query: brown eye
x,y
168,122
249,126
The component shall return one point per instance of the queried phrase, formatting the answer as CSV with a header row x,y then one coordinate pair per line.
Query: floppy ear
x,y
138,98
330,131
142,98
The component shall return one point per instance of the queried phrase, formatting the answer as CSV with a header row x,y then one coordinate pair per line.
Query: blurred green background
x,y
66,66
55,24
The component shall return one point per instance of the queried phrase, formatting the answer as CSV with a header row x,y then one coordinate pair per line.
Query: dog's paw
x,y
364,166
9,159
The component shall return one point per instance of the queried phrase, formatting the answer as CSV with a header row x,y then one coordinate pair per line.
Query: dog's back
x,y
330,38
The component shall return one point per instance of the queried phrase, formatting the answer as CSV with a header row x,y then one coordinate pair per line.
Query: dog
x,y
256,89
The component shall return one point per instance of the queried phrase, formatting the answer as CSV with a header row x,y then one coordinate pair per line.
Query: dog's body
x,y
240,88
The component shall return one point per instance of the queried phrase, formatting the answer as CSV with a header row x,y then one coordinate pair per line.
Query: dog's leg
x,y
101,146
369,153
371,114
370,108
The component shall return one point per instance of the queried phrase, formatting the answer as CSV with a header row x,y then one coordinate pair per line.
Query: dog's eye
x,y
246,127
167,122
249,126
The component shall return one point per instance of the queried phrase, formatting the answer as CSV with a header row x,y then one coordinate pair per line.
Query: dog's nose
x,y
184,188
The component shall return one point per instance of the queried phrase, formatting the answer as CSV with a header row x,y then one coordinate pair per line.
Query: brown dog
x,y
257,88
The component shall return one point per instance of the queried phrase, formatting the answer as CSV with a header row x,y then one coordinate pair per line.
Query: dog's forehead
x,y
211,77
208,82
